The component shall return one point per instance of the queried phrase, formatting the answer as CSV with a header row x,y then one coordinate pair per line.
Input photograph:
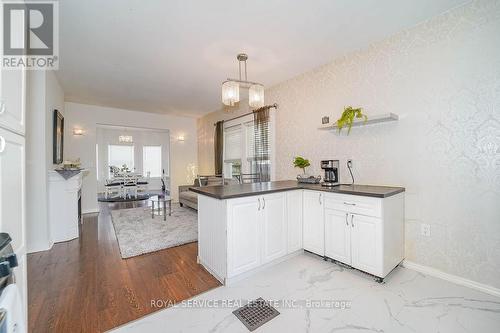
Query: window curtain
x,y
262,165
219,147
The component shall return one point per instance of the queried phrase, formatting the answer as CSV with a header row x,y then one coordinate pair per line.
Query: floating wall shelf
x,y
381,118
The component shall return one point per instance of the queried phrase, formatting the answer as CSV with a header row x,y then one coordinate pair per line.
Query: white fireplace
x,y
64,206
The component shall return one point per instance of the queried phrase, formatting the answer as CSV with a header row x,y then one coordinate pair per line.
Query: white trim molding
x,y
94,210
451,278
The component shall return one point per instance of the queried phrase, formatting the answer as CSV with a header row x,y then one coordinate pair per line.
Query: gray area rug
x,y
138,233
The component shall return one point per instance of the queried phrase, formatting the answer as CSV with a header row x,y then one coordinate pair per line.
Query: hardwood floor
x,y
85,286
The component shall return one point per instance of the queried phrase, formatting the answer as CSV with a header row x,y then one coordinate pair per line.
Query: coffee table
x,y
161,202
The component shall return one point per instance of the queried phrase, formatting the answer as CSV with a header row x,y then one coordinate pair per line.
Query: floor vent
x,y
255,314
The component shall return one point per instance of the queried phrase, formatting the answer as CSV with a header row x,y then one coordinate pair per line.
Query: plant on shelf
x,y
300,162
348,117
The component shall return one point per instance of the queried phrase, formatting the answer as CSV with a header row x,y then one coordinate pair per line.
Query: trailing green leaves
x,y
348,117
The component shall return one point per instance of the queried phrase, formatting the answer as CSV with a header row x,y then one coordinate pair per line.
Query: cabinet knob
x,y
346,221
2,107
352,220
2,144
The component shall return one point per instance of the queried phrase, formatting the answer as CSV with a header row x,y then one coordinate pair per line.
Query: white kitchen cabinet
x,y
373,244
13,100
257,231
274,223
294,217
12,184
244,234
313,230
338,235
366,240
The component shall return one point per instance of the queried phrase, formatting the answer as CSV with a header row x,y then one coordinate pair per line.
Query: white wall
x,y
183,154
443,78
44,95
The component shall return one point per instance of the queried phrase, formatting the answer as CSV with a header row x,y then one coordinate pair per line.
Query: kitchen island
x,y
244,228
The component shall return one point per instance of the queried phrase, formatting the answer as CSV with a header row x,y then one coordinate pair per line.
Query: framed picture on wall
x,y
58,138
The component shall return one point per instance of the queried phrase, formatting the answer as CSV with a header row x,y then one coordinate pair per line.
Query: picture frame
x,y
58,138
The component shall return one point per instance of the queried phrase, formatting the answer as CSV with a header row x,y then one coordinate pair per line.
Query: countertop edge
x,y
396,191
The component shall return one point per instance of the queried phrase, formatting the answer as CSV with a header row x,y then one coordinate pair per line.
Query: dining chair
x,y
143,183
113,185
248,178
129,186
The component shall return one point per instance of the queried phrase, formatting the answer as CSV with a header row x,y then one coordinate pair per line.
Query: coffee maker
x,y
331,168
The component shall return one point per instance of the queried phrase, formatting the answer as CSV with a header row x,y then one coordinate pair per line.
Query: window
x,y
259,161
119,156
151,160
232,150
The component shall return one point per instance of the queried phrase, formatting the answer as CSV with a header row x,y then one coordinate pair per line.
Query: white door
x,y
12,100
338,235
12,195
313,230
244,225
366,243
274,234
294,217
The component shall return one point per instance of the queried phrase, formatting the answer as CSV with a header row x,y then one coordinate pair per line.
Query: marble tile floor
x,y
305,290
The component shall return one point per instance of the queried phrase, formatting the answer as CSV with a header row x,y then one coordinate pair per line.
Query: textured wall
x,y
443,79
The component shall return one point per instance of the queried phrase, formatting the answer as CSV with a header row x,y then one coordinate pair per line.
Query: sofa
x,y
190,199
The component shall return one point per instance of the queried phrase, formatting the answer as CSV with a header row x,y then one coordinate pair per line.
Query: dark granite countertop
x,y
245,190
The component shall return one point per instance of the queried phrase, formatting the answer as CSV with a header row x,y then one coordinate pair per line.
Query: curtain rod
x,y
275,105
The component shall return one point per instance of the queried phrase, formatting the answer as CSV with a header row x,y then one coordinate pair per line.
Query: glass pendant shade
x,y
230,93
256,96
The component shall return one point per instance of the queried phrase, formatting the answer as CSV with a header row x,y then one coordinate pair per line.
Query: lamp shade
x,y
256,96
230,93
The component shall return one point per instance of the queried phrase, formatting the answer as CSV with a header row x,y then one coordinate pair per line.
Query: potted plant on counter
x,y
300,162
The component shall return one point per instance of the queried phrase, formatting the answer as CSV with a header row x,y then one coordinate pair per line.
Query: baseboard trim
x,y
36,249
90,211
452,278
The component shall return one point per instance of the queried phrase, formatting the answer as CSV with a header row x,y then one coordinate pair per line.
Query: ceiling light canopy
x,y
231,87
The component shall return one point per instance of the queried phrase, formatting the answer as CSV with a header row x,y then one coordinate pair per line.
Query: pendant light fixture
x,y
231,87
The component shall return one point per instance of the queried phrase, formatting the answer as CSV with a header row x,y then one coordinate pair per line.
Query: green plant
x,y
300,162
348,116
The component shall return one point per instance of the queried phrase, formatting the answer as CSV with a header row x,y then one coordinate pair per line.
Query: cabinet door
x,y
243,235
13,99
12,194
294,218
313,232
338,235
366,243
274,233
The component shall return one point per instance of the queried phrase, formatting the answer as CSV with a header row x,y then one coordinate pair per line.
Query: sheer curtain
x,y
262,158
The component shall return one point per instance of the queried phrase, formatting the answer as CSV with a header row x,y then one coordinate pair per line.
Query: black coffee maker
x,y
331,168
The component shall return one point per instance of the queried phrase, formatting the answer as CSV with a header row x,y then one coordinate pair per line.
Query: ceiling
x,y
171,56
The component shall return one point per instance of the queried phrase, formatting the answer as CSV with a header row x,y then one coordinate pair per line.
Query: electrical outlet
x,y
349,163
425,230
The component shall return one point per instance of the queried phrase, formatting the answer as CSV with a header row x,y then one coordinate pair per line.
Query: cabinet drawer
x,y
354,204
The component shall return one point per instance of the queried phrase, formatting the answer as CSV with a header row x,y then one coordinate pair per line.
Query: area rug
x,y
138,233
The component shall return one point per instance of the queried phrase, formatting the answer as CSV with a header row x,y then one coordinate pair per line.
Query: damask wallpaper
x,y
442,78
